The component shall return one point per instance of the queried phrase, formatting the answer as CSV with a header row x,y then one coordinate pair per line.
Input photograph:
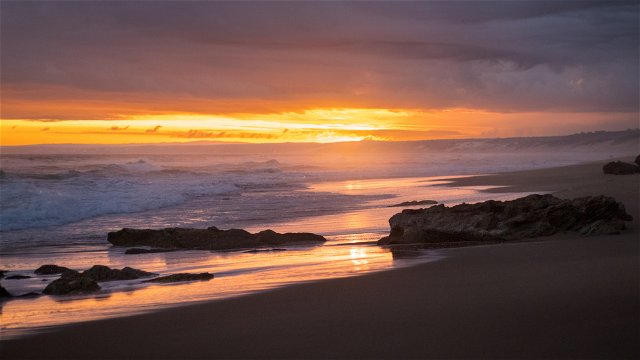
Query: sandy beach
x,y
565,297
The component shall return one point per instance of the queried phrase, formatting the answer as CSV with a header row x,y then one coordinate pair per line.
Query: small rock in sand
x,y
620,168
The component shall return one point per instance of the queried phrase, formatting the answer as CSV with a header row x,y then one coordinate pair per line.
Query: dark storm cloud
x,y
502,56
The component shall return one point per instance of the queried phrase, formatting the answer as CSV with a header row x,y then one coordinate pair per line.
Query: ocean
x,y
57,204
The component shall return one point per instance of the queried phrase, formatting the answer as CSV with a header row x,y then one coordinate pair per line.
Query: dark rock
x,y
415,203
399,251
4,293
2,272
495,221
18,277
102,273
50,270
181,277
637,160
255,251
620,168
135,251
30,295
206,239
71,282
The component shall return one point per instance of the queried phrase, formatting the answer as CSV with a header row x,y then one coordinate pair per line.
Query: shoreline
x,y
563,296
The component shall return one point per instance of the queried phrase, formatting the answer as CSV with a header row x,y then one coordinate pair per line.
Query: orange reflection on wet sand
x,y
236,274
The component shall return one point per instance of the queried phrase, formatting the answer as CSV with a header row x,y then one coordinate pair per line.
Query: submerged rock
x,y
29,295
530,216
415,203
101,273
256,251
50,269
206,239
72,282
182,277
18,277
136,251
620,168
4,293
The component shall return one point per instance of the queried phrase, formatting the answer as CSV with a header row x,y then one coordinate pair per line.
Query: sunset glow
x,y
378,72
316,125
301,179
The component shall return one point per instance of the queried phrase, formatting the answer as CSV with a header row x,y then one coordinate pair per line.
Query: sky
x,y
165,71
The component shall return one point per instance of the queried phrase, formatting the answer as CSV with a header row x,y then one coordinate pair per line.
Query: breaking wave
x,y
49,196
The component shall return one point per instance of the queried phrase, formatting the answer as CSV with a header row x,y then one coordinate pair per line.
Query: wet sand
x,y
567,296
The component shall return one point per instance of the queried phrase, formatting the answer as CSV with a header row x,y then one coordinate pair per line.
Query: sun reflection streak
x,y
359,258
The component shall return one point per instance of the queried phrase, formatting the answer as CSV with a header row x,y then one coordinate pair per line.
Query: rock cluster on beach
x,y
73,282
527,217
206,239
622,168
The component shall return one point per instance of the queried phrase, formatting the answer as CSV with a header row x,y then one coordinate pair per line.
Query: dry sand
x,y
565,297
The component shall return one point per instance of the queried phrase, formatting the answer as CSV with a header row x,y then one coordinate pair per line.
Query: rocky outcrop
x,y
491,221
620,168
415,203
181,277
101,273
70,283
50,269
206,239
637,160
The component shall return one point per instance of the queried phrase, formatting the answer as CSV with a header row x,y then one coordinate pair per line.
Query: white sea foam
x,y
40,198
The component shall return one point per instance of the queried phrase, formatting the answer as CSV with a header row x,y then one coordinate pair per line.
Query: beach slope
x,y
568,296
